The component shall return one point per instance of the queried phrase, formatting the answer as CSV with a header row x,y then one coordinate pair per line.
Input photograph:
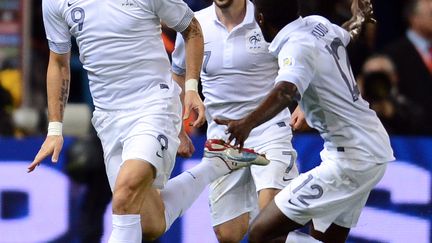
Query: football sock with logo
x,y
126,229
298,237
181,191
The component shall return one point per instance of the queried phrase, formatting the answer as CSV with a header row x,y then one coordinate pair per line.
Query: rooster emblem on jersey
x,y
255,42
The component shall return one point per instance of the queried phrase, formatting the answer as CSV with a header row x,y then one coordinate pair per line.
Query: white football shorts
x,y
148,133
236,193
333,192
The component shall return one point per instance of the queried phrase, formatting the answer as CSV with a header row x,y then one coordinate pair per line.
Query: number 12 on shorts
x,y
302,198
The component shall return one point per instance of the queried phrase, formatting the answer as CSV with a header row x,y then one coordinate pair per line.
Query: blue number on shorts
x,y
207,55
163,140
78,15
302,198
345,70
290,166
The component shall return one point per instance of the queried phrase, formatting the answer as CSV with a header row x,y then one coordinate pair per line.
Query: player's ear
x,y
259,17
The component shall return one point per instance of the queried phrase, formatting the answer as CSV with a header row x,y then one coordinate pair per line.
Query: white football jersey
x,y
312,55
120,45
238,71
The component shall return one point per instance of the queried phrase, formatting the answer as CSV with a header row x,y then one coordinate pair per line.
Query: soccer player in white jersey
x,y
138,109
237,74
314,69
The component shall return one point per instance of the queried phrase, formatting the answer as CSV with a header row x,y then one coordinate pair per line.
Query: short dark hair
x,y
278,12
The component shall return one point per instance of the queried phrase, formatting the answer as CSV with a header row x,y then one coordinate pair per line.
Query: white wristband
x,y
55,129
191,84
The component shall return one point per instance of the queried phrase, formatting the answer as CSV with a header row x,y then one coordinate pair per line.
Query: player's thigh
x,y
152,136
265,196
278,174
327,194
104,124
231,196
135,175
133,181
345,203
233,230
156,148
147,133
271,224
334,234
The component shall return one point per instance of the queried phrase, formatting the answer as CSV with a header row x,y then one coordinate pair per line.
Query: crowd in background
x,y
392,62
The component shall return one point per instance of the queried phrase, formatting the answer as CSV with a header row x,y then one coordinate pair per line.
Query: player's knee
x,y
230,234
123,199
152,233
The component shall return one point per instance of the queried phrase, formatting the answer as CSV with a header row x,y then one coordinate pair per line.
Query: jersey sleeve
x,y
296,63
176,14
178,56
56,28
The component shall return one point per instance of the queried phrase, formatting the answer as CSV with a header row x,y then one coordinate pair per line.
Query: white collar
x,y
283,35
419,42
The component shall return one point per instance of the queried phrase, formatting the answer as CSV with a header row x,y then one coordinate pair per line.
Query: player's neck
x,y
233,15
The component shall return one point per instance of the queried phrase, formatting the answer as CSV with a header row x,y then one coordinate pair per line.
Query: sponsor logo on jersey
x,y
282,124
158,155
70,3
163,86
292,203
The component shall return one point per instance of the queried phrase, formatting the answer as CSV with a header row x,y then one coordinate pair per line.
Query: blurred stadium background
x,y
70,201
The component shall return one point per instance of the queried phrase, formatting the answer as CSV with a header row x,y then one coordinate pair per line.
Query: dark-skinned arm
x,y
278,99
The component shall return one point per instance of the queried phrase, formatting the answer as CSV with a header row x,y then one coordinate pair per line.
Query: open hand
x,y
51,146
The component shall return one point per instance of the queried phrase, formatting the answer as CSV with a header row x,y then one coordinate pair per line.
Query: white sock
x,y
181,191
299,237
126,229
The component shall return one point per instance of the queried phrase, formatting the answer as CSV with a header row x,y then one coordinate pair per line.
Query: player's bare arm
x,y
362,13
194,47
58,79
278,99
186,147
